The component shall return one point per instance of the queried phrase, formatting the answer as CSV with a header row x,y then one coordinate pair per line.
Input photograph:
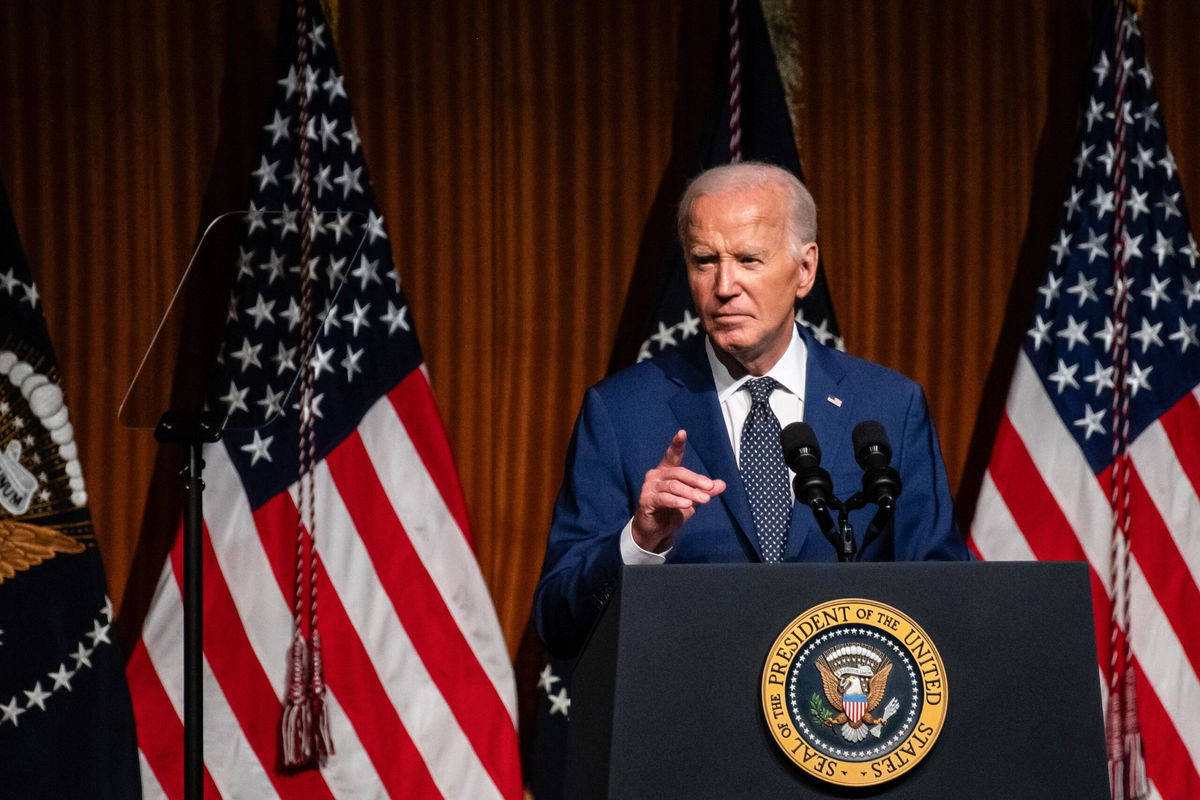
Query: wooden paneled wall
x,y
517,149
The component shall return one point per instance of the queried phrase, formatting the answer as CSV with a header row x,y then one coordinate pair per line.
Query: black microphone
x,y
802,453
814,487
881,483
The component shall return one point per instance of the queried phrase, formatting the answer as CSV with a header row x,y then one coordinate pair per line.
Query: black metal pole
x,y
193,429
193,627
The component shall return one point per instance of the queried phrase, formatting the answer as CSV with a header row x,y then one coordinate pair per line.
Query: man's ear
x,y
807,267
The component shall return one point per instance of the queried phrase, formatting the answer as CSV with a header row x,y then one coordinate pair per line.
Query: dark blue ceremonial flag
x,y
66,727
766,135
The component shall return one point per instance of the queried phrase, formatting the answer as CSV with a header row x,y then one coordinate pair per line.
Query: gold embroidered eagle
x,y
872,685
23,546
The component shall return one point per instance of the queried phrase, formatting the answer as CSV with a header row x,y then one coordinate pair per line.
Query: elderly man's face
x,y
743,275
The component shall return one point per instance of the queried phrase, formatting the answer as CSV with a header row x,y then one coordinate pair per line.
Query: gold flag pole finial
x,y
330,9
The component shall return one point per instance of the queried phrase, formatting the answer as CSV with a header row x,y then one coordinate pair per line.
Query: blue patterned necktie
x,y
763,471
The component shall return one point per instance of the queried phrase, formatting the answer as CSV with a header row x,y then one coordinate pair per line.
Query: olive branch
x,y
819,711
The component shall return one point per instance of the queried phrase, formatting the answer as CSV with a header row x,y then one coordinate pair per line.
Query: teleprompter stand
x,y
177,374
666,696
194,430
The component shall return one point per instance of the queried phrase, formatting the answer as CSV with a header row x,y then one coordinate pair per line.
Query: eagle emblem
x,y
23,546
826,696
854,678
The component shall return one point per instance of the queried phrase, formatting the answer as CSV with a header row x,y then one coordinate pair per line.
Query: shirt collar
x,y
788,371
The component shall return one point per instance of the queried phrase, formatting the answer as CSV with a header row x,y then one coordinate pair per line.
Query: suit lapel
x,y
698,412
825,409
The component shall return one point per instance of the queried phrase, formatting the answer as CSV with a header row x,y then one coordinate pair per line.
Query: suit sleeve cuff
x,y
632,553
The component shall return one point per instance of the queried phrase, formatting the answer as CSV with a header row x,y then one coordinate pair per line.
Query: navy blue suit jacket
x,y
624,428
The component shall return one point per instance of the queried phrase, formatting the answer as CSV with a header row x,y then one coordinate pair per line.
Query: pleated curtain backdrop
x,y
517,148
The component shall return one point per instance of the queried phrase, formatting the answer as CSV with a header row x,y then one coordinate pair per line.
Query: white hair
x,y
731,178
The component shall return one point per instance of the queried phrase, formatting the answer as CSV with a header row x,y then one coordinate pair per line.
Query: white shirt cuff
x,y
632,553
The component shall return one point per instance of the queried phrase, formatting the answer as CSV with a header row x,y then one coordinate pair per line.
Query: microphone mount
x,y
812,485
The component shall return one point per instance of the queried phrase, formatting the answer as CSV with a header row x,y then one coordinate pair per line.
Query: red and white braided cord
x,y
735,84
1124,740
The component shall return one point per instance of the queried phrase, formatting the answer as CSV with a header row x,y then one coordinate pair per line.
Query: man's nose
x,y
727,279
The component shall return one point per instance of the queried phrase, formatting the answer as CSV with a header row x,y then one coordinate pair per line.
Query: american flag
x,y
420,696
1048,491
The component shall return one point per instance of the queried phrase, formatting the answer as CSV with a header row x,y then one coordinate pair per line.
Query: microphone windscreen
x,y
868,434
797,436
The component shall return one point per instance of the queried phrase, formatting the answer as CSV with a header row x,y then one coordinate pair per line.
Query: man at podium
x,y
678,459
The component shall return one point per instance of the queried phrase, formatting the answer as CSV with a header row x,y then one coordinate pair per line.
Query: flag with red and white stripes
x,y
1097,456
418,687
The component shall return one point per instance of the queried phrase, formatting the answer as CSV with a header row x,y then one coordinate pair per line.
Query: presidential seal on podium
x,y
854,692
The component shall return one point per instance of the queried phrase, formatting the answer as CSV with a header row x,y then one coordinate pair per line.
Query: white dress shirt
x,y
787,403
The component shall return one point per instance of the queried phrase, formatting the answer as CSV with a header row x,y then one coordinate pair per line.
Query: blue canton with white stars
x,y
1073,327
363,343
764,474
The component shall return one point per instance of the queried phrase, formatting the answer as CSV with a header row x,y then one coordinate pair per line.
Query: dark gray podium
x,y
666,697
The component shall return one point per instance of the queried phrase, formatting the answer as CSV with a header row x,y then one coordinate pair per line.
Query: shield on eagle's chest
x,y
855,705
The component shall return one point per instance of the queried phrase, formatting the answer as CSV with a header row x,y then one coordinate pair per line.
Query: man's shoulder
x,y
688,367
672,367
860,370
